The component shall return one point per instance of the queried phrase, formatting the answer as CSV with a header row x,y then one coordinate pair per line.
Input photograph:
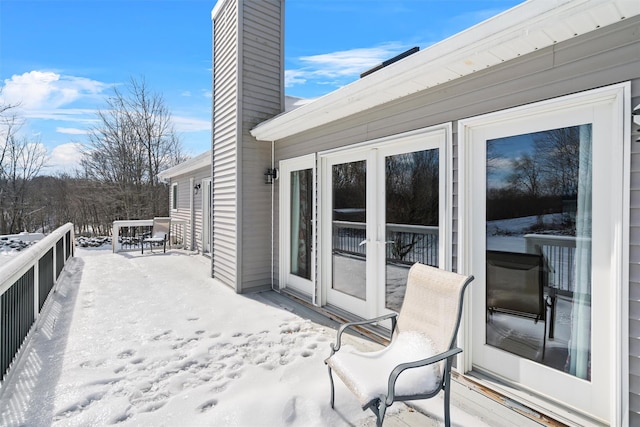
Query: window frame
x,y
174,196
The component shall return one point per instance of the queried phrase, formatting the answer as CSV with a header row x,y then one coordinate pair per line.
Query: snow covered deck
x,y
133,339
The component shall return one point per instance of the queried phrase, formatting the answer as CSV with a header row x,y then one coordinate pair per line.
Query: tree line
x,y
544,178
133,140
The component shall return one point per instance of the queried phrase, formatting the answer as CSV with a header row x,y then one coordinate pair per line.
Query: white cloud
x,y
65,157
340,65
186,93
190,124
294,77
36,89
72,131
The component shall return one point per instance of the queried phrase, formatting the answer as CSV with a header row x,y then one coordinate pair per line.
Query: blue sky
x,y
60,59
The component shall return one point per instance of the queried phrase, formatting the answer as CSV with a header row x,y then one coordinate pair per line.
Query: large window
x,y
542,226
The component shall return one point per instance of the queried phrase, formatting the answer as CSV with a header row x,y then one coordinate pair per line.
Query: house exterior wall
x,y
193,217
247,89
603,57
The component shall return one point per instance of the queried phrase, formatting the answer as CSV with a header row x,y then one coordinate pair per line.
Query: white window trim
x,y
620,97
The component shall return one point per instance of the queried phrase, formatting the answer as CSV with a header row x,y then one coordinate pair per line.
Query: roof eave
x,y
530,26
193,164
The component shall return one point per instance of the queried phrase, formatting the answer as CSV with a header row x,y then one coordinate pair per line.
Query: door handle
x,y
364,242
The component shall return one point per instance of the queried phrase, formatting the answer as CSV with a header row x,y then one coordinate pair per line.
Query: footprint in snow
x,y
79,406
126,354
204,407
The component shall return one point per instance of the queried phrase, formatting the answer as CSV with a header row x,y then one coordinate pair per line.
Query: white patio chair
x,y
159,233
417,362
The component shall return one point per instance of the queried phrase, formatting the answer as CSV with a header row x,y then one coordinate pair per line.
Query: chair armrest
x,y
335,347
418,363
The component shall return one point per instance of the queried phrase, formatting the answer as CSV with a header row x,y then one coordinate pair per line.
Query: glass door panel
x,y
297,232
349,234
538,251
412,196
301,223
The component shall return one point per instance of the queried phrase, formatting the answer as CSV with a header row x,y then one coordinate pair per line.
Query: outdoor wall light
x,y
196,188
270,175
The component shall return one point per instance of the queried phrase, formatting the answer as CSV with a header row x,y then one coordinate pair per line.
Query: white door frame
x,y
375,152
286,279
608,110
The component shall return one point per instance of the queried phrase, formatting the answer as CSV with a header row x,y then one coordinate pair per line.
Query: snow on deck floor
x,y
150,340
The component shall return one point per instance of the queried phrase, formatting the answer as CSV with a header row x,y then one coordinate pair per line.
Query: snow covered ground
x,y
151,340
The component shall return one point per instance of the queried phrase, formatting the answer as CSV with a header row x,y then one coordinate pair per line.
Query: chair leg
x,y
382,409
332,388
447,410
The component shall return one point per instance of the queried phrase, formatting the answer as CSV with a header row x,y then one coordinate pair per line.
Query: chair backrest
x,y
515,283
161,227
433,304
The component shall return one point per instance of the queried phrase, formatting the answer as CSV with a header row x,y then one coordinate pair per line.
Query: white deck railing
x,y
25,283
127,234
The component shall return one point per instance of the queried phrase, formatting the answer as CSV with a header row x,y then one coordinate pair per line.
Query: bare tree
x,y
134,141
21,159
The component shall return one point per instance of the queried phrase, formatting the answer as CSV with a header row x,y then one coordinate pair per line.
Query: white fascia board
x,y
193,164
530,26
216,9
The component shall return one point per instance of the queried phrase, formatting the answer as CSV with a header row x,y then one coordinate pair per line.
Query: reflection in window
x,y
539,223
301,232
349,182
412,215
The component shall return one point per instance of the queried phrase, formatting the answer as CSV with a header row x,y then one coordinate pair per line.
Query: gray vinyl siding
x,y
248,37
262,98
224,151
634,269
603,57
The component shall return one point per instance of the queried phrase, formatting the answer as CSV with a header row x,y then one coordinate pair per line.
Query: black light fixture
x,y
196,188
270,175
